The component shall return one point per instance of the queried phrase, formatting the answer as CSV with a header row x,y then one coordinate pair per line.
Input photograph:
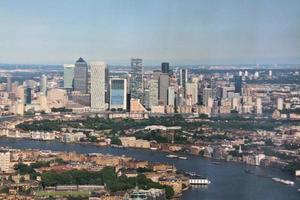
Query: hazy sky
x,y
179,31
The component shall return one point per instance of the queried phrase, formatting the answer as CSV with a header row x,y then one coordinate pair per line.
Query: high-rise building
x,y
43,84
258,106
98,86
5,162
68,76
238,84
165,68
81,76
137,72
207,95
171,96
9,84
118,93
147,98
28,95
153,93
163,88
107,88
183,79
192,92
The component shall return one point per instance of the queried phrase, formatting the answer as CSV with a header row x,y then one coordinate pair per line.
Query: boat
x,y
183,158
286,182
153,148
171,156
198,180
216,163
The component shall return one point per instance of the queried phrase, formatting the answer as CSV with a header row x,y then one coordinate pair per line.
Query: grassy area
x,y
62,193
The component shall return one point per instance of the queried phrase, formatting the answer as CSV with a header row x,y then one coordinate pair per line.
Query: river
x,y
229,180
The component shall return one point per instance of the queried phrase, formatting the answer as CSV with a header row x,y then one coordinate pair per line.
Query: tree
x,y
4,189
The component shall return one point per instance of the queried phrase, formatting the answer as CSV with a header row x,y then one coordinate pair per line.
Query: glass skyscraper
x,y
238,84
118,93
137,72
68,76
81,76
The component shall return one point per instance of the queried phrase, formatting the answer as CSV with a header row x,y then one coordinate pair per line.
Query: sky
x,y
176,31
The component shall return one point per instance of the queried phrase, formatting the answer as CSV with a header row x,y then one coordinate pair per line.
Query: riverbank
x,y
229,180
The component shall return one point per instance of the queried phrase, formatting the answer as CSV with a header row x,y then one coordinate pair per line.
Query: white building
x,y
5,162
98,86
192,92
258,106
171,96
153,93
279,104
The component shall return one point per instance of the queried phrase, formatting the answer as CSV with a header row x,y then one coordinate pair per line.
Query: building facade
x,y
98,74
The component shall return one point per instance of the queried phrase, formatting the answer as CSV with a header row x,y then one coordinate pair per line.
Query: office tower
x,y
107,88
279,103
153,93
147,98
137,72
43,102
118,93
156,74
9,84
238,84
207,95
28,95
183,78
163,89
171,96
81,76
258,106
20,94
68,76
43,84
98,86
192,92
165,68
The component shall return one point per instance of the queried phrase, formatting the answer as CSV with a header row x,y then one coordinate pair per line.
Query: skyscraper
x,y
258,106
192,92
28,95
9,84
153,93
165,67
238,84
43,84
163,88
98,86
137,72
118,93
207,95
81,76
183,78
68,76
171,96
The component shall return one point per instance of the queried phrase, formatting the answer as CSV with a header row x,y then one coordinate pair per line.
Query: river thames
x,y
229,180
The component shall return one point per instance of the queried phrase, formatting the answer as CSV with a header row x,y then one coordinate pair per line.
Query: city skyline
x,y
193,32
